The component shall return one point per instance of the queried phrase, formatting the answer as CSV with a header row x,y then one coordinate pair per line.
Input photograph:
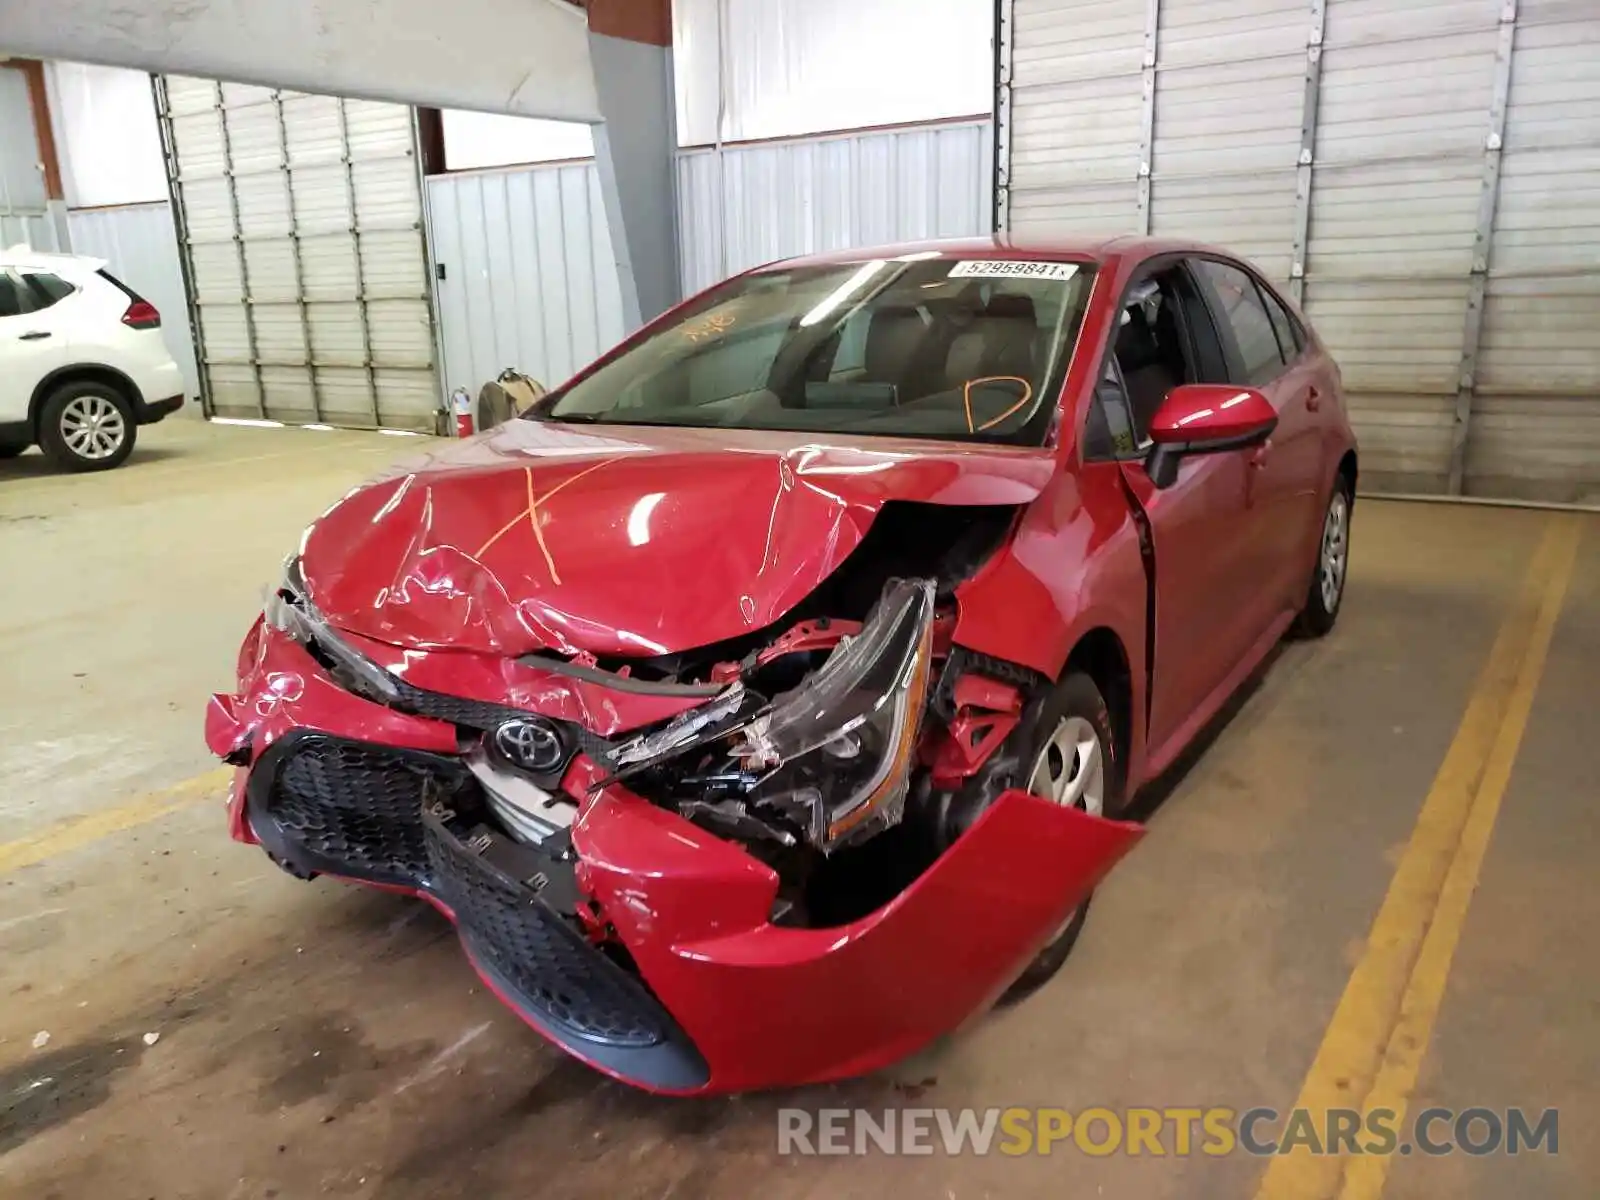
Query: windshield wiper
x,y
579,418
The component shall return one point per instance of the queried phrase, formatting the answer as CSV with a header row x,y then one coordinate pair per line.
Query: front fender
x,y
1074,564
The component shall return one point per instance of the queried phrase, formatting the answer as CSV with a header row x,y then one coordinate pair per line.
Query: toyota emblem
x,y
530,743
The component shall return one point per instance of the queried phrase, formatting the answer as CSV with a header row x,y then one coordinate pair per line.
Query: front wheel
x,y
12,449
1333,560
1069,748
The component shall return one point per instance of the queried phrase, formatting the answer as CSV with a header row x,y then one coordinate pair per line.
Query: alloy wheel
x,y
1335,551
1071,767
1070,770
93,427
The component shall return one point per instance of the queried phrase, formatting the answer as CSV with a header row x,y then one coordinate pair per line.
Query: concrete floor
x,y
316,1040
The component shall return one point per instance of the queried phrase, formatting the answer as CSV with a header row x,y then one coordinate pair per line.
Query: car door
x,y
1264,354
33,343
1208,607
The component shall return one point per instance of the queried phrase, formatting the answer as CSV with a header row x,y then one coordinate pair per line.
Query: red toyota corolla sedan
x,y
761,705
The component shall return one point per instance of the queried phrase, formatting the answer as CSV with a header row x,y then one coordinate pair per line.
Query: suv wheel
x,y
86,427
12,449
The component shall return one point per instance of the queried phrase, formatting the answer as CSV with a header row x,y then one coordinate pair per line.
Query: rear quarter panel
x,y
99,338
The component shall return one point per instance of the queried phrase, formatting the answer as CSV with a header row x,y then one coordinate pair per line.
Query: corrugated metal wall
x,y
751,204
1536,406
301,219
530,280
1425,176
140,245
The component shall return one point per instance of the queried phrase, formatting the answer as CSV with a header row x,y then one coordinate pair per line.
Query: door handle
x,y
34,336
1313,399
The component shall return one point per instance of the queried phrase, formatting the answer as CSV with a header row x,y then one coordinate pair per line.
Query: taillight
x,y
142,314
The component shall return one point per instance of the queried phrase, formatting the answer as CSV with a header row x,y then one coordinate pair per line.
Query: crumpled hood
x,y
627,541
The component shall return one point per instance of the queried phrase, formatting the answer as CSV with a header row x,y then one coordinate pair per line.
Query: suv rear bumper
x,y
153,411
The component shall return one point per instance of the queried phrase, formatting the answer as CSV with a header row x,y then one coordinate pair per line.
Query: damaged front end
x,y
827,762
718,871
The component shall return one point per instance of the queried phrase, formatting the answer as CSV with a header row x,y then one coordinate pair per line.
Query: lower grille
x,y
547,963
382,815
361,806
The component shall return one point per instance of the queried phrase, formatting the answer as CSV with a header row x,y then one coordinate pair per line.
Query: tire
x,y
1326,593
1074,708
12,449
87,427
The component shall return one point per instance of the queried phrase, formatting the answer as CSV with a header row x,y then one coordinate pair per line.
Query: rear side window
x,y
47,289
11,297
1290,336
1246,312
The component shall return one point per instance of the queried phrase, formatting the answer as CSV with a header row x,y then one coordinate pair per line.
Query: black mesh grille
x,y
546,962
458,710
321,803
361,806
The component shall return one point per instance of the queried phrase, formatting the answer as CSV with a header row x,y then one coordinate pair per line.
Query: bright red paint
x,y
765,1004
1198,412
742,524
630,541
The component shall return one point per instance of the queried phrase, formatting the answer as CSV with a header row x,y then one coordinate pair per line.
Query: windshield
x,y
930,347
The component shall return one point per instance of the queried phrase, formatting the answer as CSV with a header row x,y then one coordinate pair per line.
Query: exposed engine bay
x,y
806,746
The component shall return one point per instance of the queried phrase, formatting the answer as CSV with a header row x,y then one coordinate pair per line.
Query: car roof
x,y
23,256
1043,245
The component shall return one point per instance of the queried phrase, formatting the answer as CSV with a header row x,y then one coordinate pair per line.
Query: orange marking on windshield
x,y
966,399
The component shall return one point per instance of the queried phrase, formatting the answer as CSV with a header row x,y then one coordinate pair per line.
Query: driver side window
x,y
1165,338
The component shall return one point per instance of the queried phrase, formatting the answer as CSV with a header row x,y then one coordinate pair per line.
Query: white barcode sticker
x,y
1001,268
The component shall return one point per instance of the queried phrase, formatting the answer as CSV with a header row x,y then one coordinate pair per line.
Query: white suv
x,y
82,362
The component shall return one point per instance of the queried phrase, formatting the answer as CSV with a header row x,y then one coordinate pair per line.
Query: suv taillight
x,y
142,314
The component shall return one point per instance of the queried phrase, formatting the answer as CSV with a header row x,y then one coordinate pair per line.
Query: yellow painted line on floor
x,y
1373,1048
77,832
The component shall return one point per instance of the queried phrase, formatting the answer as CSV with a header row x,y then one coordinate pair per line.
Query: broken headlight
x,y
289,610
837,751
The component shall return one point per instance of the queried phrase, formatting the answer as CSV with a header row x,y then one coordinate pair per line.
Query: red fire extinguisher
x,y
462,404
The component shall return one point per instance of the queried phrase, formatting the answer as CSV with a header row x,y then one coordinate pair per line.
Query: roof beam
x,y
525,57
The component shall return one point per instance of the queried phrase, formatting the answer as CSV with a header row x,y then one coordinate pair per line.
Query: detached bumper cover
x,y
716,999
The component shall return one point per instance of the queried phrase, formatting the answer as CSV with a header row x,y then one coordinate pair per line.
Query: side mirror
x,y
1206,418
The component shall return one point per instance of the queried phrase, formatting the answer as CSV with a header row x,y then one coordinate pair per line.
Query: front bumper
x,y
700,992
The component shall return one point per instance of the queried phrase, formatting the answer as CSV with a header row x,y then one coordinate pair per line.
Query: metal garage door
x,y
1425,177
300,219
1535,418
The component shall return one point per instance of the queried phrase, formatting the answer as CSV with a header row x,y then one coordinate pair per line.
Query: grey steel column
x,y
294,246
1005,23
1305,172
635,150
1147,110
361,271
180,227
1483,235
244,266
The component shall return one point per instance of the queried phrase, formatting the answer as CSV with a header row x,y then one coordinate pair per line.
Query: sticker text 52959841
x,y
1000,268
